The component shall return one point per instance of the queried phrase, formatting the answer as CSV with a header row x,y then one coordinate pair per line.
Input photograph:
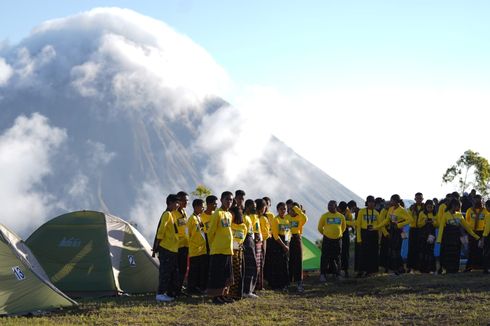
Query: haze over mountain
x,y
111,110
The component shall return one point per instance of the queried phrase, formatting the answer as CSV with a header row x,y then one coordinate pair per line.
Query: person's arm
x,y
442,224
486,231
302,218
468,229
407,219
343,224
213,225
321,223
358,227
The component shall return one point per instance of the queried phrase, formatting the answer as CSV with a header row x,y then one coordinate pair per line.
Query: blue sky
x,y
353,72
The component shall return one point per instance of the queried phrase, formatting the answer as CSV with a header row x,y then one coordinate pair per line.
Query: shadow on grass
x,y
389,285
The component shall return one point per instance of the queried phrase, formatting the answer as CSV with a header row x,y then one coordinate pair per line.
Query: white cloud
x,y
25,159
5,72
148,207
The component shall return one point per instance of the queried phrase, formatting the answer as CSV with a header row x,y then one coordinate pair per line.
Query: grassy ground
x,y
383,299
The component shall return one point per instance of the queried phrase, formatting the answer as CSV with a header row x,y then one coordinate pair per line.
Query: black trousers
x,y
330,260
198,273
295,259
182,263
168,273
395,248
475,254
345,256
413,249
486,252
369,251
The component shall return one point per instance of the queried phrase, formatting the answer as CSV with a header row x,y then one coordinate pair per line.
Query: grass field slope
x,y
383,299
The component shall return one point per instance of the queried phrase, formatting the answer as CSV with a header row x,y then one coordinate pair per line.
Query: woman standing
x,y
450,234
261,244
475,216
250,274
367,224
239,230
297,219
427,235
279,249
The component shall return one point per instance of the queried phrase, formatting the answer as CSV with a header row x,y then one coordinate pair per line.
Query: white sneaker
x,y
164,298
250,295
323,278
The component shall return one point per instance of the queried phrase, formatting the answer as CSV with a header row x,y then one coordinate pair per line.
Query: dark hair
x,y
351,204
453,203
249,205
333,201
260,203
267,199
280,204
370,199
237,214
342,206
172,198
427,203
418,194
197,202
182,194
455,195
396,198
211,199
226,194
289,202
487,203
239,192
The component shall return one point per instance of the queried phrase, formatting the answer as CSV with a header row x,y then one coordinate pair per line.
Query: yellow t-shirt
x,y
197,240
205,220
399,216
256,226
239,233
181,221
349,219
167,232
455,219
366,217
472,215
415,212
281,226
423,218
440,212
265,228
486,231
332,225
249,224
220,235
297,222
382,217
270,216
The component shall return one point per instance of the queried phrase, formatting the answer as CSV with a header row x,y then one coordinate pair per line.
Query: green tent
x,y
24,287
311,255
88,253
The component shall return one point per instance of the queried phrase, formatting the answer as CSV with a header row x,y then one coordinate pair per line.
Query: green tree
x,y
201,191
472,170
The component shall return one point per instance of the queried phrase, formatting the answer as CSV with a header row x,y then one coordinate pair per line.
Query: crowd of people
x,y
236,250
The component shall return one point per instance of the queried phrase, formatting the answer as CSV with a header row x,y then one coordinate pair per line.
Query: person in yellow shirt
x,y
382,207
211,205
426,239
198,257
331,225
353,209
279,249
239,230
345,252
220,238
486,240
239,199
250,270
267,260
475,216
181,219
449,236
167,246
397,217
367,224
261,244
413,235
297,220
